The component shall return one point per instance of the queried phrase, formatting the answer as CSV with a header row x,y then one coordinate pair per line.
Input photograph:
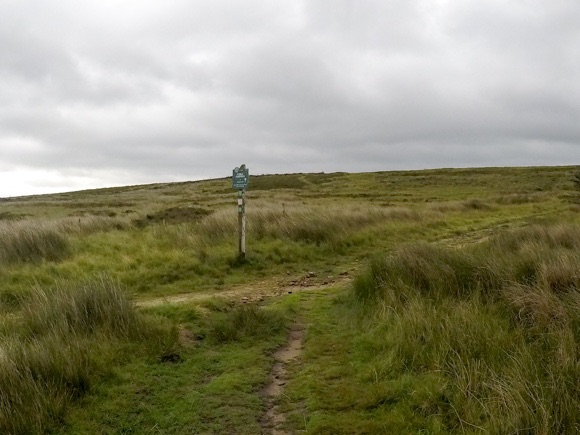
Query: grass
x,y
303,224
246,321
23,242
98,305
462,318
33,241
213,387
58,346
495,326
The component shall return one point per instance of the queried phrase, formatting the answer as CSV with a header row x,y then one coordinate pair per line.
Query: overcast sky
x,y
117,92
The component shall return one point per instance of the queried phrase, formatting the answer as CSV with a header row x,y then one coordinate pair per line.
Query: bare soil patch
x,y
273,418
254,292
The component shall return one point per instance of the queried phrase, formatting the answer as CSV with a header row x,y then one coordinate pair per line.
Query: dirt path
x,y
489,230
253,292
273,418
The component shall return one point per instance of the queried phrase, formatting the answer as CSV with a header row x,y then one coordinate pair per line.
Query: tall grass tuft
x,y
499,323
318,225
38,378
86,225
422,269
218,225
98,305
28,241
34,241
302,224
64,340
246,321
549,236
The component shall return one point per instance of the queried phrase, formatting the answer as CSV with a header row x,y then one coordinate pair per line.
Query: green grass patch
x,y
60,344
173,215
25,241
246,321
496,324
214,386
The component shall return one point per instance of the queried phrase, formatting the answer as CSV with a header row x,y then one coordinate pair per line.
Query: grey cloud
x,y
139,90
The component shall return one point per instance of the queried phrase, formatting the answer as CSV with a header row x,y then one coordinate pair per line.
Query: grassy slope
x,y
158,261
165,246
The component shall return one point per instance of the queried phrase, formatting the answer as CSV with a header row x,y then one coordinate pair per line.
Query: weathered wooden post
x,y
240,179
241,225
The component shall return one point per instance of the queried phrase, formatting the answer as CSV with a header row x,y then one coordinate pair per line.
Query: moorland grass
x,y
32,240
23,241
97,305
497,323
85,225
246,321
313,224
59,344
425,358
212,387
166,258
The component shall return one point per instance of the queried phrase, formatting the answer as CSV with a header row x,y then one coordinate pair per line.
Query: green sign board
x,y
240,177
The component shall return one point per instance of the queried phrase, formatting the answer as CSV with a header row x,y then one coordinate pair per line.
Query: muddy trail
x,y
273,419
253,292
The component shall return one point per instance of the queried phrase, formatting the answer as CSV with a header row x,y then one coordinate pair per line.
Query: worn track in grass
x,y
273,419
252,292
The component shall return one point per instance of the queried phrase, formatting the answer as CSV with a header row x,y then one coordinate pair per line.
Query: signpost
x,y
240,179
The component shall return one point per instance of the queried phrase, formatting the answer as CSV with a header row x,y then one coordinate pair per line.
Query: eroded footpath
x,y
273,419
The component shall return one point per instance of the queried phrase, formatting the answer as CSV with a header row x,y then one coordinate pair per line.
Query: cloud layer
x,y
123,92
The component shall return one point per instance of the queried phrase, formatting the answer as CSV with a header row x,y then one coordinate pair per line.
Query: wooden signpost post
x,y
240,179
